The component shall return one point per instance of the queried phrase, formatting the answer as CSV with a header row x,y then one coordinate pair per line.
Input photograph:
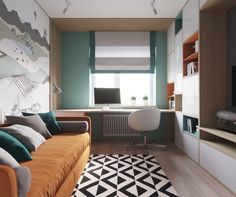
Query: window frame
x,y
152,86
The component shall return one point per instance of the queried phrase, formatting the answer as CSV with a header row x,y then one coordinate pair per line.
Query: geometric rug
x,y
110,175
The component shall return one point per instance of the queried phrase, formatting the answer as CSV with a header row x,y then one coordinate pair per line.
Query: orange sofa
x,y
55,167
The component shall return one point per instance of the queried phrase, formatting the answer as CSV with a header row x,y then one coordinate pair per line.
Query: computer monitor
x,y
233,87
107,96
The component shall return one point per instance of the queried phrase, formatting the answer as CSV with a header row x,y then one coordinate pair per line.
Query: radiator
x,y
117,125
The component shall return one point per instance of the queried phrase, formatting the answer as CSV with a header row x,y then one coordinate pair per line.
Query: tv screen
x,y
233,86
107,95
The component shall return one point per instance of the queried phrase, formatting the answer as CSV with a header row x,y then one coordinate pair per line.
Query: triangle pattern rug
x,y
123,175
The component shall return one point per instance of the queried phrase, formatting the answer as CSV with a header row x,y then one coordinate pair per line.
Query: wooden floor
x,y
188,178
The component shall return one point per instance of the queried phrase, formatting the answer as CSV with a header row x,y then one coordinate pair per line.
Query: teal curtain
x,y
152,57
92,51
178,22
152,51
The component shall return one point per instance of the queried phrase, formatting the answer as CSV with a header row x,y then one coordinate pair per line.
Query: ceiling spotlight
x,y
153,7
67,6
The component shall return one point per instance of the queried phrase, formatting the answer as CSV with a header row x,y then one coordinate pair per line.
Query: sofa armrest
x,y
82,118
8,182
73,126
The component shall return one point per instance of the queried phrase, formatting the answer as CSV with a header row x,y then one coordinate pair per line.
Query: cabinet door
x,y
190,146
179,130
190,18
219,165
171,38
179,62
191,96
171,68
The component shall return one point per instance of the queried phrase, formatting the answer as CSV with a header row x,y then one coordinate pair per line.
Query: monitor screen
x,y
107,95
233,90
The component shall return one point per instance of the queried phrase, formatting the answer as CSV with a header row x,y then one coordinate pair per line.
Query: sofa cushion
x,y
73,126
35,122
53,162
50,121
7,159
22,173
26,135
14,147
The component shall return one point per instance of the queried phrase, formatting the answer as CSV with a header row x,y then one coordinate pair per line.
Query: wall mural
x,y
24,57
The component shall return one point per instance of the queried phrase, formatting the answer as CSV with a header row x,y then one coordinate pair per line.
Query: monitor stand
x,y
106,108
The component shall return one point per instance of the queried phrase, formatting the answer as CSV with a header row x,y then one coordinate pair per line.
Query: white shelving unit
x,y
204,91
190,90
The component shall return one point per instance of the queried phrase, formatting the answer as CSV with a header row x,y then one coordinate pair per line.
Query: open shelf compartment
x,y
190,55
222,141
190,125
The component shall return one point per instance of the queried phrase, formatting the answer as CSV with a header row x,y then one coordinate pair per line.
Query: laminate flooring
x,y
188,178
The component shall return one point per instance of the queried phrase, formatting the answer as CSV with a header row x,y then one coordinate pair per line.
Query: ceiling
x,y
111,8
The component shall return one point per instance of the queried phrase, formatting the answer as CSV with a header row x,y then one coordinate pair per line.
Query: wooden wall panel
x,y
217,4
55,65
109,24
213,67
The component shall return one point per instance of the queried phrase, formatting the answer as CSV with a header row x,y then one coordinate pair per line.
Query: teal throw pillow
x,y
50,121
15,148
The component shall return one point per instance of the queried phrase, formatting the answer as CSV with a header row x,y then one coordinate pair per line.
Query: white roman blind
x,y
122,51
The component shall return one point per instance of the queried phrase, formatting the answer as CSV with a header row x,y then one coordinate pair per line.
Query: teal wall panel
x,y
75,69
161,69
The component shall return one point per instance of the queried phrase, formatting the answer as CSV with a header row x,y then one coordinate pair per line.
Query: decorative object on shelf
x,y
171,101
133,100
196,46
192,68
189,125
145,100
226,120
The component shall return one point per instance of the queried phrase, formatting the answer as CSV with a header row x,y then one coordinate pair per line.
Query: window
x,y
124,60
138,85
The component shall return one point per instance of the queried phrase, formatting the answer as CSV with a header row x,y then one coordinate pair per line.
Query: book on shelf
x,y
189,125
192,68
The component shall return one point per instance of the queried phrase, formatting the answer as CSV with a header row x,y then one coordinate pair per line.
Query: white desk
x,y
166,125
84,112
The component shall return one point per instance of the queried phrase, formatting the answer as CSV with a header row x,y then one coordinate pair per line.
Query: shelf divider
x,y
220,133
192,57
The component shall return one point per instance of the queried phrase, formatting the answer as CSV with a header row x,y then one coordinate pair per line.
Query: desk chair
x,y
145,120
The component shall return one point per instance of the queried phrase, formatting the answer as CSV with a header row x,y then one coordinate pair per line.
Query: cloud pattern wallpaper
x,y
24,57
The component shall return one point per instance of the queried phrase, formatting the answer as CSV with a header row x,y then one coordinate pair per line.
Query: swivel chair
x,y
143,121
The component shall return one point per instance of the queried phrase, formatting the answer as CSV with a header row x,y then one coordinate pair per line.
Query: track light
x,y
154,7
67,6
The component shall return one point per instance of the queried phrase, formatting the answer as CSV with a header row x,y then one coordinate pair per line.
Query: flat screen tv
x,y
233,86
107,95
